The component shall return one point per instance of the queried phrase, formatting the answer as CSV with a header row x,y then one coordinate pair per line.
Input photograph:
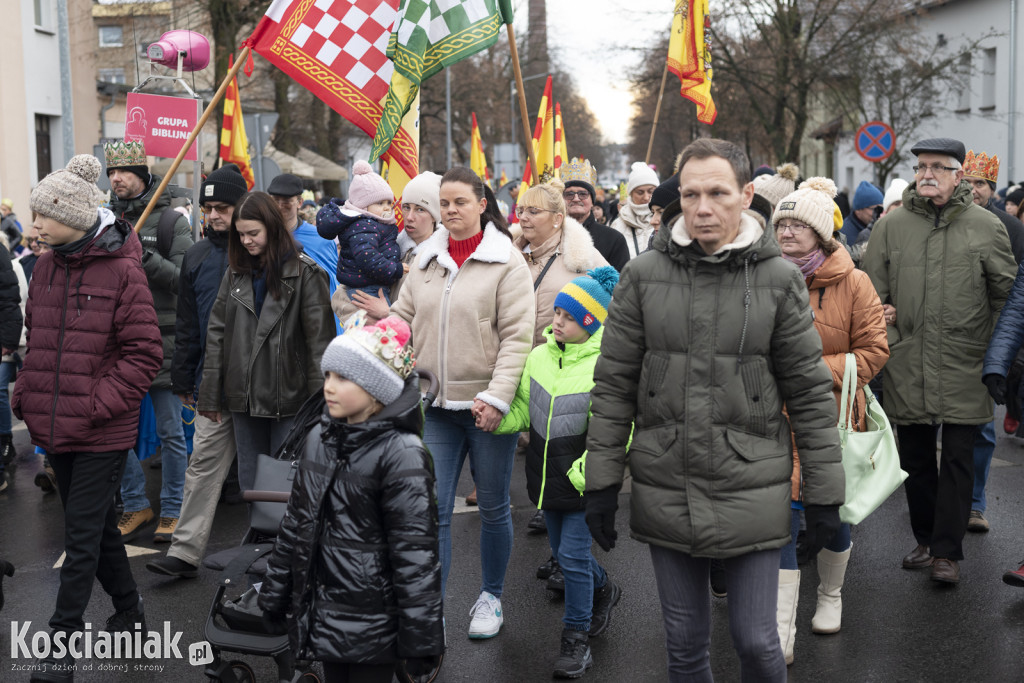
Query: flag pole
x,y
217,96
523,113
657,113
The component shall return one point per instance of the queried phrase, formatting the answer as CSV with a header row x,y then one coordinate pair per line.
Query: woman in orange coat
x,y
848,316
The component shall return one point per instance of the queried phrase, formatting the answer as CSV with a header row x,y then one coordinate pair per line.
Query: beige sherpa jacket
x,y
471,326
574,253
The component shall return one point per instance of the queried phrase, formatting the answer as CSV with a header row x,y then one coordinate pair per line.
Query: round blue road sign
x,y
875,141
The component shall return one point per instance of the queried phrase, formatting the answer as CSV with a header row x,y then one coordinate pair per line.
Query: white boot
x,y
789,593
832,570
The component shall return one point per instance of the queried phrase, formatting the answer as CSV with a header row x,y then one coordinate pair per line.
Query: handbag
x,y
870,458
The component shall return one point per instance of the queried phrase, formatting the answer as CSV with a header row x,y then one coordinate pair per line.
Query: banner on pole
x,y
162,123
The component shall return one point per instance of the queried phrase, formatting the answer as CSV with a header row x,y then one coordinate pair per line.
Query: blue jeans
x,y
570,541
372,290
840,542
7,371
683,589
984,447
173,456
450,435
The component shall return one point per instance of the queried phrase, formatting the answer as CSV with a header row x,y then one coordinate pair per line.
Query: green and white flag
x,y
430,35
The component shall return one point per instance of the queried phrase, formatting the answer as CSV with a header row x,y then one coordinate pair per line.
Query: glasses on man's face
x,y
936,169
531,211
794,228
570,195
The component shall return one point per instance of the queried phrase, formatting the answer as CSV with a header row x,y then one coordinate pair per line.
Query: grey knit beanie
x,y
377,357
69,195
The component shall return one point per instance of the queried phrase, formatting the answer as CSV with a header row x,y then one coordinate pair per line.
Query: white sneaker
x,y
487,617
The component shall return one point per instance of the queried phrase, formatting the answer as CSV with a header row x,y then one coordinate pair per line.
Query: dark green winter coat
x,y
162,273
704,352
947,273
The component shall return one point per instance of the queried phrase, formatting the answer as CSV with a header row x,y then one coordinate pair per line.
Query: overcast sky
x,y
596,41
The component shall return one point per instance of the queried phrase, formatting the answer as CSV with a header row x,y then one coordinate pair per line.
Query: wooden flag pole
x,y
217,97
657,113
524,114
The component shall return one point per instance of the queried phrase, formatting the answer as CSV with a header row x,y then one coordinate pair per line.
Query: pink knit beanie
x,y
367,187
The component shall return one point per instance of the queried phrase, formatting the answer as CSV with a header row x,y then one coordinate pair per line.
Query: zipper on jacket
x,y
547,433
443,346
60,352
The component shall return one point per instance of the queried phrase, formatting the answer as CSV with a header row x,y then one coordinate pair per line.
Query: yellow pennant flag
x,y
543,141
234,145
477,158
689,56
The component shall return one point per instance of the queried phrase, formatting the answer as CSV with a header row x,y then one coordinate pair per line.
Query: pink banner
x,y
162,123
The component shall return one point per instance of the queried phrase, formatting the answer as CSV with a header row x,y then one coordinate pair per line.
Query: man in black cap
x,y
942,267
165,237
579,201
214,444
286,189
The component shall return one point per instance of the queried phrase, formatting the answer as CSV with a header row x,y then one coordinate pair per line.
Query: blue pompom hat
x,y
587,298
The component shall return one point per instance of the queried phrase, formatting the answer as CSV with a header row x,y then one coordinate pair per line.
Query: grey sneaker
x,y
574,657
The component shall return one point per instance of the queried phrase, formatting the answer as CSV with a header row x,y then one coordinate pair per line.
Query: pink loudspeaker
x,y
193,47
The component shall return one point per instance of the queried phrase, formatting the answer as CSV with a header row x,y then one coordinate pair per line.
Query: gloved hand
x,y
600,516
417,667
996,387
275,623
822,524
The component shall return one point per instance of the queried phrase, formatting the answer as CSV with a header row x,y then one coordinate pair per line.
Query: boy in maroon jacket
x,y
93,350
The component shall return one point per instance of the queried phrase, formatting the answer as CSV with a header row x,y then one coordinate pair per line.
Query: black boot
x,y
556,582
537,525
574,658
172,566
7,451
126,619
548,568
605,599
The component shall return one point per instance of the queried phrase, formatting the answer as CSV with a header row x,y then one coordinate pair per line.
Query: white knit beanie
x,y
894,193
378,357
811,204
69,195
641,174
775,187
425,190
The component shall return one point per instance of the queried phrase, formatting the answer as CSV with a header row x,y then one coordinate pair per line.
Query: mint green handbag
x,y
870,459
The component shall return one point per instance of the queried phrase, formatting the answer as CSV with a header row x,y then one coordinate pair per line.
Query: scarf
x,y
809,263
78,245
636,216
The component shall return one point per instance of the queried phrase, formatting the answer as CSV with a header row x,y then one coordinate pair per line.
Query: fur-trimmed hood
x,y
495,247
576,246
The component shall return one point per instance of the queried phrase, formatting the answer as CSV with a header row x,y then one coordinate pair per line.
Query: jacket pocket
x,y
487,343
652,377
753,371
753,462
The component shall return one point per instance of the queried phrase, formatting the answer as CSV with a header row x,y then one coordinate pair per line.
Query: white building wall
x,y
980,128
41,59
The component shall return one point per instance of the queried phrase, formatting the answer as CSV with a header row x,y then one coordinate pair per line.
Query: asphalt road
x,y
897,625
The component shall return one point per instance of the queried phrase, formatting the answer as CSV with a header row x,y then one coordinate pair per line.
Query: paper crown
x,y
981,166
383,341
128,153
579,169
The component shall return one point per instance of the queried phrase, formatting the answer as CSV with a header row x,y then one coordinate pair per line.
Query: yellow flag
x,y
400,168
689,56
543,140
477,158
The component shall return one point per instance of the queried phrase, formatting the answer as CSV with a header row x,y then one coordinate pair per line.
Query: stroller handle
x,y
265,496
432,388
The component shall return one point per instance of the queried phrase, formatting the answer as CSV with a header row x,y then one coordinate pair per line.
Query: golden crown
x,y
579,169
981,166
128,153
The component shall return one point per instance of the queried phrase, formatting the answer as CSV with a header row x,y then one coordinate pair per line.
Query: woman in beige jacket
x,y
469,300
555,246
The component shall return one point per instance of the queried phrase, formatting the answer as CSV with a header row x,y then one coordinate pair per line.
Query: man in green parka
x,y
942,267
708,336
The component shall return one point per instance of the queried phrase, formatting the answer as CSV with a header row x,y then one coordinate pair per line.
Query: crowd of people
x,y
697,345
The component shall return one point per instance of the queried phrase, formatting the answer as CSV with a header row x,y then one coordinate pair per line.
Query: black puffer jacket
x,y
356,561
10,302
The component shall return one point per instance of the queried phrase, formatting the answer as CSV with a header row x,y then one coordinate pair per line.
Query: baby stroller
x,y
235,623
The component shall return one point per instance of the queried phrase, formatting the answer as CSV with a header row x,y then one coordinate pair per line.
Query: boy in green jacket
x,y
553,403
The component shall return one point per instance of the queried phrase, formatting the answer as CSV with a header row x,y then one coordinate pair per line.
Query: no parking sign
x,y
875,141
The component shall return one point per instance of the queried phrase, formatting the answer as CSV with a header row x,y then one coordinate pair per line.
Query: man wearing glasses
x,y
579,177
942,267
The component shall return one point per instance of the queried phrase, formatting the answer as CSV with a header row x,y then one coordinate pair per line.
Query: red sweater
x,y
461,250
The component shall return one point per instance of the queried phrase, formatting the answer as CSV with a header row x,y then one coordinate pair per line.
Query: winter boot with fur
x,y
831,570
789,593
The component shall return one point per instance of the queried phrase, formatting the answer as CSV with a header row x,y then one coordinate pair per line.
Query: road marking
x,y
132,550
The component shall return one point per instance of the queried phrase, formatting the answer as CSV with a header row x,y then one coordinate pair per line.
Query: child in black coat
x,y
355,574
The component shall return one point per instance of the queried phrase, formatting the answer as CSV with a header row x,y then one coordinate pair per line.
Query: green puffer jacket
x,y
704,351
947,273
162,273
553,403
